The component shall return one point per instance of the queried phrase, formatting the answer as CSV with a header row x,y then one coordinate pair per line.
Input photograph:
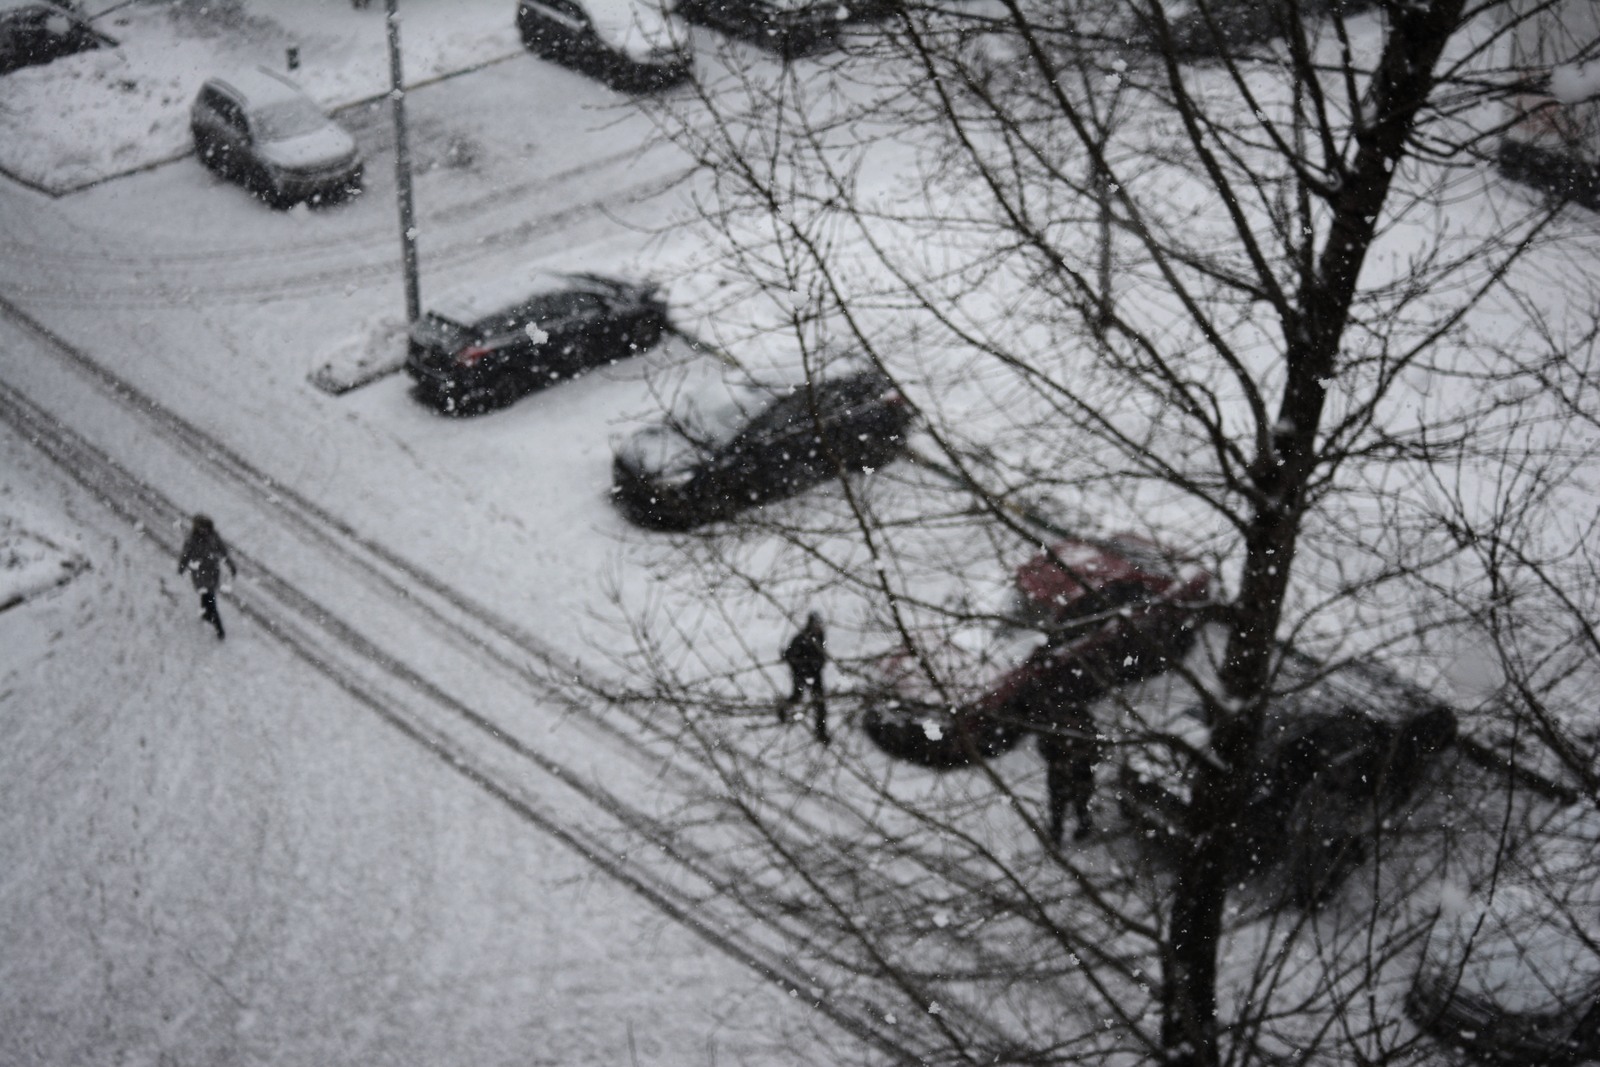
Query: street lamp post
x,y
402,167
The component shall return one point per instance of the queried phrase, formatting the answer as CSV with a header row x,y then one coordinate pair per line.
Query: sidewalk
x,y
89,117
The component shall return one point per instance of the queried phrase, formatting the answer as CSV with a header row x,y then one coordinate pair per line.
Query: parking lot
x,y
433,598
159,275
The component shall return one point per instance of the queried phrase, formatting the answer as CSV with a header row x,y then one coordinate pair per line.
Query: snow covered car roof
x,y
260,86
637,26
280,113
469,303
1308,687
705,416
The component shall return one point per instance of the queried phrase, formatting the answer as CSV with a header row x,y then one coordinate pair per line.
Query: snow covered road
x,y
468,687
159,332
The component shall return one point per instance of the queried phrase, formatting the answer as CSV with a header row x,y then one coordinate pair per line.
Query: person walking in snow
x,y
203,556
1070,749
807,654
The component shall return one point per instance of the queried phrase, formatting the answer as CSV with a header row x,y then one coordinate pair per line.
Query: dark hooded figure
x,y
202,558
1070,749
807,654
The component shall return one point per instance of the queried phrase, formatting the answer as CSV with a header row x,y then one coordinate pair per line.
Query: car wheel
x,y
1183,642
654,508
275,197
1156,812
534,40
507,391
437,399
937,740
476,402
646,333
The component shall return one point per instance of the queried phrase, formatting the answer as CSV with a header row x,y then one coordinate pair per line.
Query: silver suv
x,y
257,128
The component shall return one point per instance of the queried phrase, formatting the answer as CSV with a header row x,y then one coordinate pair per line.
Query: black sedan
x,y
731,446
627,44
38,31
484,347
1340,756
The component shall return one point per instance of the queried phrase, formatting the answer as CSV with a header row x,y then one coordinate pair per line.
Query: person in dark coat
x,y
202,558
807,654
1070,749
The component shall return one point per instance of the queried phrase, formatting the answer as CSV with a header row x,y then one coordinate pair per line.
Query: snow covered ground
x,y
216,854
213,853
91,116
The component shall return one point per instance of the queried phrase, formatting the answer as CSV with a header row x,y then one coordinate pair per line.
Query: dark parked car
x,y
257,128
628,44
1553,168
485,346
787,27
1512,976
729,446
1237,28
1087,616
35,31
1341,753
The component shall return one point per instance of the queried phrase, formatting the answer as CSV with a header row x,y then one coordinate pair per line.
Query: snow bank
x,y
376,348
91,116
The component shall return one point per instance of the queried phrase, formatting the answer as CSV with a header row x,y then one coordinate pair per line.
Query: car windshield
x,y
714,413
633,25
283,119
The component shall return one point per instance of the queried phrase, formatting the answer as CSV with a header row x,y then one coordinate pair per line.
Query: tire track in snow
x,y
19,253
375,261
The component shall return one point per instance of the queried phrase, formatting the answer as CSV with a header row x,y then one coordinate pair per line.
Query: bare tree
x,y
1237,278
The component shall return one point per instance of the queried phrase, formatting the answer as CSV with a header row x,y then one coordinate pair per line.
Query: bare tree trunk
x,y
1286,461
1285,226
